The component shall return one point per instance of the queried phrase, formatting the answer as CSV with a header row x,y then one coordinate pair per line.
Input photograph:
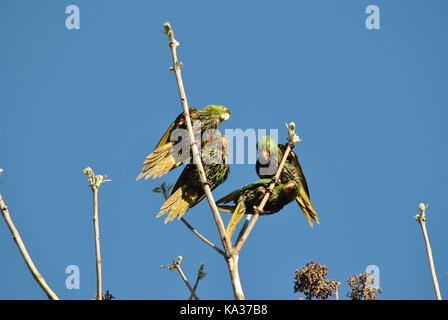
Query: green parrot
x,y
164,158
188,190
249,197
269,150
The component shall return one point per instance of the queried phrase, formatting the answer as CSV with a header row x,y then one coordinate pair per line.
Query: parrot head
x,y
217,111
266,146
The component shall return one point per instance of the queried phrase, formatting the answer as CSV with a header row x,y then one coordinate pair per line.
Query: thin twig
x,y
201,275
176,266
196,156
96,228
95,182
292,140
336,290
211,244
164,189
29,262
421,219
194,289
179,269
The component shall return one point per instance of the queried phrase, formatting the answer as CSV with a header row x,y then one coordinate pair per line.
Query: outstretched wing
x,y
177,124
161,160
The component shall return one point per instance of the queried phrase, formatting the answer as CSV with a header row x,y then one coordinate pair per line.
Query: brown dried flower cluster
x,y
311,280
363,287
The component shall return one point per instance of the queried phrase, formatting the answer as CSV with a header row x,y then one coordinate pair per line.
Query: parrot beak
x,y
264,155
225,116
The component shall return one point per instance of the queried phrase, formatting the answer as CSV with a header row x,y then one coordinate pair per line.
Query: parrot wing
x,y
293,168
161,160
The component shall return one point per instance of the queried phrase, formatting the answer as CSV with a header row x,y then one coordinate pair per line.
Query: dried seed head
x,y
363,287
311,280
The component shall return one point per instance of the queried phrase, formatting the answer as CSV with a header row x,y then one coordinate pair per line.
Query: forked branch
x,y
176,266
231,254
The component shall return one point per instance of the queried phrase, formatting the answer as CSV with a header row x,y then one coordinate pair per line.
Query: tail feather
x,y
223,208
236,217
307,208
230,197
159,162
176,205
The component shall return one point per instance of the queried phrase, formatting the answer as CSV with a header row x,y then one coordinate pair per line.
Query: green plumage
x,y
269,150
188,190
165,157
249,197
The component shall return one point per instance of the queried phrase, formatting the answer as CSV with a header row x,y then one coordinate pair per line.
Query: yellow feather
x,y
226,208
307,208
236,217
177,204
159,162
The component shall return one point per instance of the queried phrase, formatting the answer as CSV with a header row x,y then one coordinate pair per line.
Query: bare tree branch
x,y
231,260
176,266
164,189
194,147
231,254
29,262
421,219
211,244
95,182
201,275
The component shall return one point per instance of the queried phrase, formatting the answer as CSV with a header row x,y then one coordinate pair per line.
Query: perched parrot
x,y
188,190
249,197
164,158
269,150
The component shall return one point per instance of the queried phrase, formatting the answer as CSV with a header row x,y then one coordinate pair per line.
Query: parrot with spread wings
x,y
166,156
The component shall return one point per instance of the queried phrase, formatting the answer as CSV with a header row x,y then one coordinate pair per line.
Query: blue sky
x,y
370,106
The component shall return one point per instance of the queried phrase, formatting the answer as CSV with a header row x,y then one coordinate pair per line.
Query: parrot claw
x,y
256,210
